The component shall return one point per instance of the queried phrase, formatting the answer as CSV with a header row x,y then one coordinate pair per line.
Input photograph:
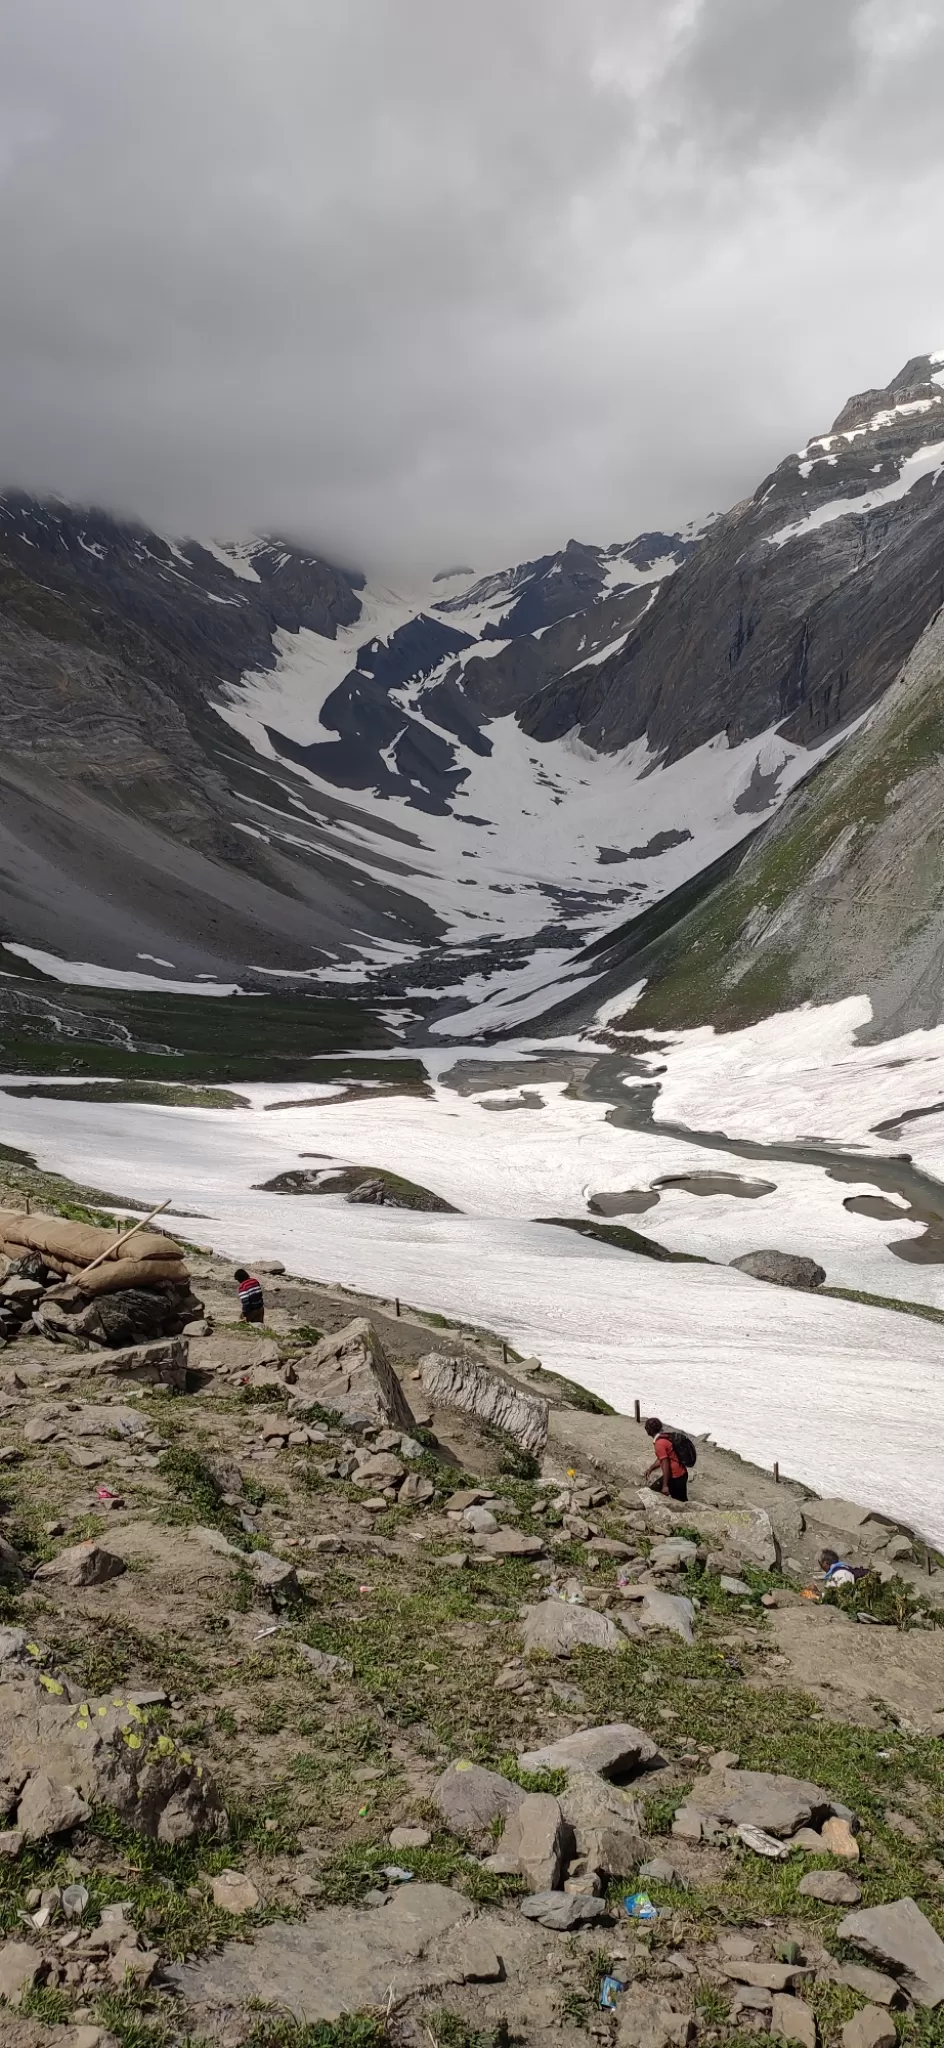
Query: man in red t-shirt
x,y
251,1302
673,1475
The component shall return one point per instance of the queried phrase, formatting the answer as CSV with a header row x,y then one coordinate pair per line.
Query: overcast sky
x,y
437,280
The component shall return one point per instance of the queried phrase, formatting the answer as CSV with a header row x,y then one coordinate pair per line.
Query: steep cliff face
x,y
800,605
841,894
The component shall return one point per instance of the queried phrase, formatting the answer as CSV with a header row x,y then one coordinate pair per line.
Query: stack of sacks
x,y
147,1260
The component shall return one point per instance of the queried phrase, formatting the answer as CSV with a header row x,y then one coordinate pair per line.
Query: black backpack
x,y
683,1447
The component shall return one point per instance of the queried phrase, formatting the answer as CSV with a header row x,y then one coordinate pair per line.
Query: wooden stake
x,y
776,1472
637,1411
504,1352
397,1304
119,1241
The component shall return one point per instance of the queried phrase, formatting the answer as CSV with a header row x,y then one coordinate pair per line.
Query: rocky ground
x,y
336,1713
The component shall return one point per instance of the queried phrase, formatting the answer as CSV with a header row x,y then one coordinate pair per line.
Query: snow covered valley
x,y
846,1396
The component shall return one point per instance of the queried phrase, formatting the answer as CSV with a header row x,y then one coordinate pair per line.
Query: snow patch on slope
x,y
924,462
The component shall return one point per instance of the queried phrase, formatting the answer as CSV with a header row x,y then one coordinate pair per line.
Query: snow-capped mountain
x,y
239,765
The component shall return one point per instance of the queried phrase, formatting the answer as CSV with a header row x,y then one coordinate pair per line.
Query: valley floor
x,y
844,1395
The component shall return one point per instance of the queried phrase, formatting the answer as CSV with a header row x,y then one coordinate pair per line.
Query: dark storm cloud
x,y
418,278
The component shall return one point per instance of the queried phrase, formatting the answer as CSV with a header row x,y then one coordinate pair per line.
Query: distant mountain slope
x,y
801,604
482,796
841,894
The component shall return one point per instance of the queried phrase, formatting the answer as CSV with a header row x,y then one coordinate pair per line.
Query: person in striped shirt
x,y
251,1302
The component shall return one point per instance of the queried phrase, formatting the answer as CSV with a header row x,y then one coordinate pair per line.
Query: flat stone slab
x,y
500,1402
668,1610
469,1797
557,1627
760,1799
901,1937
344,1959
616,1750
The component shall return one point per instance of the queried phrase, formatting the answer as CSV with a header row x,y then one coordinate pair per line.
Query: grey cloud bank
x,y
425,279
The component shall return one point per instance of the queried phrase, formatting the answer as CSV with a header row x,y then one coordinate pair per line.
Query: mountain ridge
x,y
237,760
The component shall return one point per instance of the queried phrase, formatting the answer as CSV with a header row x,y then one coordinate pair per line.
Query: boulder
x,y
235,1893
471,1798
563,1912
130,1316
48,1808
536,1841
668,1610
274,1574
510,1543
616,1751
839,1840
82,1564
870,2028
104,1752
479,1390
350,1375
849,1519
776,1804
382,1470
480,1521
235,1351
409,1838
900,1937
874,1985
11,1570
555,1627
606,1824
20,1965
791,2019
784,1269
660,1870
764,1976
672,1551
831,1887
416,1492
162,1363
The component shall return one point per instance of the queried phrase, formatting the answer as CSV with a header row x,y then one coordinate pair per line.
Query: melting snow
x,y
770,1373
924,462
235,556
86,974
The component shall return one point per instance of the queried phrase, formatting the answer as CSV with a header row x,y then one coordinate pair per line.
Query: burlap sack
x,y
118,1273
79,1243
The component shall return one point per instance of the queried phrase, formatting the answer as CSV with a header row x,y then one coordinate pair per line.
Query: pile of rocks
x,y
568,1848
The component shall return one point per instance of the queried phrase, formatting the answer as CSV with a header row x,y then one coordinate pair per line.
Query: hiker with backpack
x,y
674,1459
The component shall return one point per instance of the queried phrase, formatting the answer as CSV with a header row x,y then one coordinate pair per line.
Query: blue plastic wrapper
x,y
639,1906
609,1992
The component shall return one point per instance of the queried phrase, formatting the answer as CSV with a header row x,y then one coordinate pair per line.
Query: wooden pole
x,y
776,1472
504,1352
119,1241
637,1411
397,1304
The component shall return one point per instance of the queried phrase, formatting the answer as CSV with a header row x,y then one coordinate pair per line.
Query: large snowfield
x,y
848,1398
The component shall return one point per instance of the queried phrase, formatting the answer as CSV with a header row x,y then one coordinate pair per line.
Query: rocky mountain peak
x,y
918,384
